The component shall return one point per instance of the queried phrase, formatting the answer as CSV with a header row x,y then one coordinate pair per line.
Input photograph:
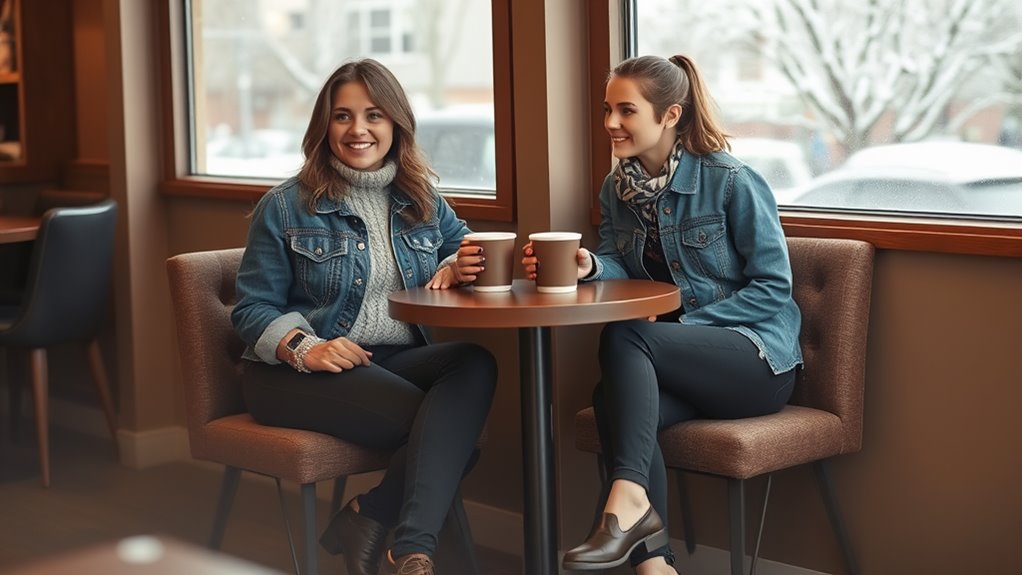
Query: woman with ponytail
x,y
679,208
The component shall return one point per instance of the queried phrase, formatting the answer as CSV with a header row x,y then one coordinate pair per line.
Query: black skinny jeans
x,y
428,403
657,374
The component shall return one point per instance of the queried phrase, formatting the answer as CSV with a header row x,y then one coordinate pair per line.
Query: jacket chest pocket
x,y
422,244
704,244
625,240
320,262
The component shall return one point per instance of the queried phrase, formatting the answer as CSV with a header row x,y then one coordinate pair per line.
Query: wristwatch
x,y
295,341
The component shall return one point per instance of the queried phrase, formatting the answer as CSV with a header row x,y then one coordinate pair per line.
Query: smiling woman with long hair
x,y
361,220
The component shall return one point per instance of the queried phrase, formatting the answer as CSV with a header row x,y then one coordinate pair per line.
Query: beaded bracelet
x,y
298,357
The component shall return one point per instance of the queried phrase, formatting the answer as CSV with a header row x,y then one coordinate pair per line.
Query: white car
x,y
939,177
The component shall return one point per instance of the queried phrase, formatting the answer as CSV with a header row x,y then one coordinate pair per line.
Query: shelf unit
x,y
37,93
12,117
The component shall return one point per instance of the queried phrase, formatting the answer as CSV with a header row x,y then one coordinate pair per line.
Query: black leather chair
x,y
65,301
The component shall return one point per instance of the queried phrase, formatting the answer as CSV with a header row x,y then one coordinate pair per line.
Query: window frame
x,y
170,33
910,233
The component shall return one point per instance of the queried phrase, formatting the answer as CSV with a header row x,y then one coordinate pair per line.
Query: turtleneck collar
x,y
366,179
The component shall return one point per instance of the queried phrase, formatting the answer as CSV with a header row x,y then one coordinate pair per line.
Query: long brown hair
x,y
414,175
665,82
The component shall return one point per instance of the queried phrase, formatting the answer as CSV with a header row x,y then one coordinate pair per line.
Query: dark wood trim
x,y
503,207
176,183
599,64
940,236
167,89
87,175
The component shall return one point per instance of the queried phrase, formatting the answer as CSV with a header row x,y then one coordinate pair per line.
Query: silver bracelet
x,y
298,357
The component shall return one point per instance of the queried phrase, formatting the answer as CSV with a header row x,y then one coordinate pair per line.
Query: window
x,y
791,74
927,90
254,70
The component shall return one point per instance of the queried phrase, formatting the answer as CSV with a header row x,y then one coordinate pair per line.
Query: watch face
x,y
296,339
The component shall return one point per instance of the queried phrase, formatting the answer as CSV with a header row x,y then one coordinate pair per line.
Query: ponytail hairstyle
x,y
665,82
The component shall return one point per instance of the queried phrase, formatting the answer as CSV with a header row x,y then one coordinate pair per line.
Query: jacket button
x,y
408,274
358,281
319,251
667,211
692,300
675,265
702,237
360,245
762,355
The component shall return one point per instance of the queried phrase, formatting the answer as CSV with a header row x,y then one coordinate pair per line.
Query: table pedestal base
x,y
540,516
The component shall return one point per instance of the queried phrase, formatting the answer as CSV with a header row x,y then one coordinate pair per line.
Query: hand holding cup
x,y
556,261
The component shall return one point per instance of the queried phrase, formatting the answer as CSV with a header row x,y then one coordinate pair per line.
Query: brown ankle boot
x,y
412,564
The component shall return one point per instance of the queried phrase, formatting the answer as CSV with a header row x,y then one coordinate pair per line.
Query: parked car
x,y
781,163
923,177
461,147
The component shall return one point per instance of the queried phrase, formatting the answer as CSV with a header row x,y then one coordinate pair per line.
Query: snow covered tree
x,y
856,65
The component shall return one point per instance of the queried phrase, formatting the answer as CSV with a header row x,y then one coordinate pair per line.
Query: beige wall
x,y
935,488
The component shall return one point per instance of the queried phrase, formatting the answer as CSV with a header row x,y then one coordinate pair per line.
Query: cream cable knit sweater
x,y
368,196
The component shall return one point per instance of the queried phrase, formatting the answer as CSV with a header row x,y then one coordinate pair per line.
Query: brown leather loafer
x,y
413,564
361,540
608,546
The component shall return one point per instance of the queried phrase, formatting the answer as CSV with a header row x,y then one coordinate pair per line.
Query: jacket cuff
x,y
266,347
596,272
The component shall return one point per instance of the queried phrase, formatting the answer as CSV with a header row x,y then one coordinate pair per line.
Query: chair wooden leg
x,y
99,377
40,395
337,499
686,513
311,539
14,370
736,509
223,508
823,479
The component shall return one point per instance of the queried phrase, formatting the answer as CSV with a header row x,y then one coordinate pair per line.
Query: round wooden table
x,y
534,313
18,229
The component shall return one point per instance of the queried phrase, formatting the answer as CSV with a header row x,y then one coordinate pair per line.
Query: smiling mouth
x,y
359,145
618,139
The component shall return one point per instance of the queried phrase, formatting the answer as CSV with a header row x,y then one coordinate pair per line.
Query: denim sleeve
x,y
452,229
264,278
756,231
607,261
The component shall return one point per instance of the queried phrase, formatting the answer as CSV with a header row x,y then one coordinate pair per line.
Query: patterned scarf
x,y
634,186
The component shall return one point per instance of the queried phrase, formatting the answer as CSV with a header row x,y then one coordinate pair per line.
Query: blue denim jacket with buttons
x,y
723,243
309,270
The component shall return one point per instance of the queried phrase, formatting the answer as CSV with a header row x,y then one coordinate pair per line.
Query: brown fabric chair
x,y
832,283
220,430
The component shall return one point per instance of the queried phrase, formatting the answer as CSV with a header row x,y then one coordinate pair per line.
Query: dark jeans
x,y
657,374
428,403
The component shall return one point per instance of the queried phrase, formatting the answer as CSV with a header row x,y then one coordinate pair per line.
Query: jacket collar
x,y
686,175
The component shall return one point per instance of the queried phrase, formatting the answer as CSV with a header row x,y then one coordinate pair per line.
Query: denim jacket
x,y
723,242
309,270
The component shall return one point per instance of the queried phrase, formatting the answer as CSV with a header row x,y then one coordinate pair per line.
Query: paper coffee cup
x,y
499,251
557,270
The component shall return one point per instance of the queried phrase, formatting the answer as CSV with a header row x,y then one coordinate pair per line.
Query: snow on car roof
x,y
959,162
